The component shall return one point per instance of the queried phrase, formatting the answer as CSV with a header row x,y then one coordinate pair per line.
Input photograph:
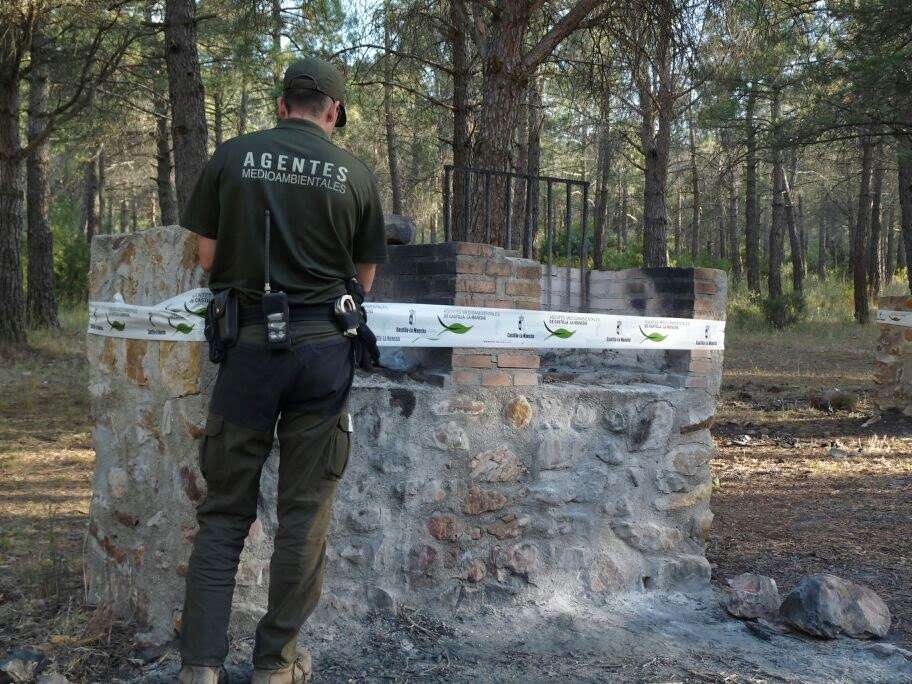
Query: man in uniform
x,y
325,226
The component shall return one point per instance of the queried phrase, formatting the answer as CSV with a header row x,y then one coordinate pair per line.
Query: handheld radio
x,y
275,304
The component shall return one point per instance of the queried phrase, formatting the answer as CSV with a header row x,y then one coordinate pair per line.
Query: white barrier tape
x,y
432,325
903,318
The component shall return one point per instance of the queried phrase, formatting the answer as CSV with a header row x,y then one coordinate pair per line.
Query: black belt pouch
x,y
222,324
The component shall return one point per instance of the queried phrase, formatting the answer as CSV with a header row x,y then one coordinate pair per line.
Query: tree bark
x,y
822,244
794,236
217,116
774,274
12,301
695,192
733,242
392,139
167,203
904,162
603,177
875,253
89,198
859,236
41,303
188,102
103,225
506,67
242,110
536,120
890,259
462,143
751,220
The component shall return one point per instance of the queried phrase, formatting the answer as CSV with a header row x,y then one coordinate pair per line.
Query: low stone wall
x,y
893,374
455,495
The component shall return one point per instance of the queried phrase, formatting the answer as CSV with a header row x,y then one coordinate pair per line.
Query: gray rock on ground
x,y
400,230
752,596
21,665
826,606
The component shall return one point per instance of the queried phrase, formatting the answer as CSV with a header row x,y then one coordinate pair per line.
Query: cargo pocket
x,y
340,448
211,448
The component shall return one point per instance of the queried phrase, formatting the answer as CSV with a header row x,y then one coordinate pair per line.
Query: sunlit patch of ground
x,y
801,491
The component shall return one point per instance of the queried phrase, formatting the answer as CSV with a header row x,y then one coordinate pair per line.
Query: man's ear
x,y
282,108
332,114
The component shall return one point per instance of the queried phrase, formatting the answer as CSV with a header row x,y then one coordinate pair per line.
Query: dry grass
x,y
46,462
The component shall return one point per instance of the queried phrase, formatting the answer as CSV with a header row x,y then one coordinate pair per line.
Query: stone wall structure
x,y
893,373
593,482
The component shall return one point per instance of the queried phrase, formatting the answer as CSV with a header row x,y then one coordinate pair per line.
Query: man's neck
x,y
309,119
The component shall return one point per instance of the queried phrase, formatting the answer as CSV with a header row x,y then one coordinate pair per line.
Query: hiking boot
x,y
296,673
200,674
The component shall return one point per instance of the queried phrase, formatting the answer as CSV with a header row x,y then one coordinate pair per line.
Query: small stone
x,y
480,501
585,416
615,421
156,519
826,606
652,427
459,406
381,599
22,665
476,571
610,454
674,502
555,452
117,482
832,400
422,559
647,536
499,465
751,596
505,530
451,437
443,527
125,519
522,559
400,230
681,571
364,520
889,650
519,412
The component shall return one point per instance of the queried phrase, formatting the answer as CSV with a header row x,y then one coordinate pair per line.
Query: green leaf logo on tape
x,y
119,326
561,333
458,328
196,312
653,337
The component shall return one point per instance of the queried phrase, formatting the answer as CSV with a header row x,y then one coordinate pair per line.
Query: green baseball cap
x,y
318,75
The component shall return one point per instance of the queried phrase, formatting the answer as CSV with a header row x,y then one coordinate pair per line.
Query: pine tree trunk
x,y
12,301
655,144
188,102
392,139
167,203
875,254
103,225
775,250
462,144
217,116
242,110
822,245
859,236
536,121
751,220
41,303
520,165
904,162
603,177
695,193
794,236
733,241
89,197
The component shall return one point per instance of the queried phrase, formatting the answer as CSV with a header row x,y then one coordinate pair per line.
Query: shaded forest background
x,y
772,138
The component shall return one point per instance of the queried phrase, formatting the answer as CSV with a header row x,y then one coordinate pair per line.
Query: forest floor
x,y
797,491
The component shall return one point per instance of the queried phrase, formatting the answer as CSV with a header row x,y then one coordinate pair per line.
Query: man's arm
x,y
366,274
206,253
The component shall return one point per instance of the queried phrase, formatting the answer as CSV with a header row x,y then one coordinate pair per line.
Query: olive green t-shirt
x,y
325,213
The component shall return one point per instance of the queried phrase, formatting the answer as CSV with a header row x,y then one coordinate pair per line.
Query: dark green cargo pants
x,y
302,390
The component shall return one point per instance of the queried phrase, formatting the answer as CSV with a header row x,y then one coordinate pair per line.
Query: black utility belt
x,y
249,315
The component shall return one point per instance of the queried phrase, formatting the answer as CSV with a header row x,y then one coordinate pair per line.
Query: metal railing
x,y
469,196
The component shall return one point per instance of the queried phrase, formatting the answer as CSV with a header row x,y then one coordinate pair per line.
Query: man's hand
x,y
366,274
206,253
